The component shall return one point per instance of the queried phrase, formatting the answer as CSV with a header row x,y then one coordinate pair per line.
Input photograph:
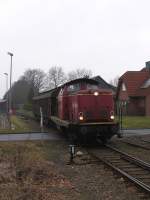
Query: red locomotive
x,y
81,108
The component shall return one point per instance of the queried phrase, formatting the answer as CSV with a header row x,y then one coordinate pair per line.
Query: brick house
x,y
133,92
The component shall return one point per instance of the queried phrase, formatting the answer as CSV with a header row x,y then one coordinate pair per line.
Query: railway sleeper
x,y
145,181
143,146
140,173
130,177
144,177
119,161
134,170
127,173
125,167
123,164
138,162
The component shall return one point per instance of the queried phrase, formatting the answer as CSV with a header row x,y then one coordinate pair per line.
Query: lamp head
x,y
9,53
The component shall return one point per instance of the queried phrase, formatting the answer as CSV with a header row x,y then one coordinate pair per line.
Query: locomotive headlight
x,y
112,117
96,93
81,118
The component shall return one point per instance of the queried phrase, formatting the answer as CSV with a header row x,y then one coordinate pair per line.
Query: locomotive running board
x,y
98,123
65,123
59,121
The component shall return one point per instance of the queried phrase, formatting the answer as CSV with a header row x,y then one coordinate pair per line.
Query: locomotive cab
x,y
88,109
68,99
85,102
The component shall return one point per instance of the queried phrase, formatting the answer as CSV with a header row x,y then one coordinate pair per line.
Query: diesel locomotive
x,y
80,108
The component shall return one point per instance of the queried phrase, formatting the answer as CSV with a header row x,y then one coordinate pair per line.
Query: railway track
x,y
138,143
136,170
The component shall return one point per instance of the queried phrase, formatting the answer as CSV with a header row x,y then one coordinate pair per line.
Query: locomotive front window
x,y
61,92
91,86
73,88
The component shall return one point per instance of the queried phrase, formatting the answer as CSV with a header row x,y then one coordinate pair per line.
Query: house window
x,y
146,84
123,87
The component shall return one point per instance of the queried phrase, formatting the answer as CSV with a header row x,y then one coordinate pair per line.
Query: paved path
x,y
30,136
130,132
53,135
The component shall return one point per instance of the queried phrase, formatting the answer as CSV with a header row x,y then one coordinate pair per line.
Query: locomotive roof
x,y
46,94
79,80
54,92
103,84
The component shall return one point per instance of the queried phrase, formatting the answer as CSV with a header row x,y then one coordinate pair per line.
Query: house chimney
x,y
148,65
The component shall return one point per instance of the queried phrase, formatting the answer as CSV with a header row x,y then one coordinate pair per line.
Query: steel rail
x,y
146,141
126,175
136,145
135,160
131,160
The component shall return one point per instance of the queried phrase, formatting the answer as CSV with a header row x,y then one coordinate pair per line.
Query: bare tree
x,y
79,73
20,90
55,77
35,77
114,81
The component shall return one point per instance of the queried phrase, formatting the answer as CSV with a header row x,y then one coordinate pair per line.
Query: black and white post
x,y
10,91
41,120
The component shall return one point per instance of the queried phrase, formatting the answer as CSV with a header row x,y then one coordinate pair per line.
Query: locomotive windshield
x,y
91,86
79,86
73,87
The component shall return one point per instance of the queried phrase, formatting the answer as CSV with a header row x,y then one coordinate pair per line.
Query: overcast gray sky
x,y
107,36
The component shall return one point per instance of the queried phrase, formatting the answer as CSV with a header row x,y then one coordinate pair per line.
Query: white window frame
x,y
123,87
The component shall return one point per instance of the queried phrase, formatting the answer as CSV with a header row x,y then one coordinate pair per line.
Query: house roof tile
x,y
134,80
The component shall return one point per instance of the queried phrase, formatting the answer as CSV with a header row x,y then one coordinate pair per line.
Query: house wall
x,y
148,105
136,106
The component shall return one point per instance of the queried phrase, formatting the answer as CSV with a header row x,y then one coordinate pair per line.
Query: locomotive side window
x,y
61,92
91,86
73,88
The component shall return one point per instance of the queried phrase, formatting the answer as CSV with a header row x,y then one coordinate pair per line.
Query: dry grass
x,y
33,171
20,125
25,174
136,122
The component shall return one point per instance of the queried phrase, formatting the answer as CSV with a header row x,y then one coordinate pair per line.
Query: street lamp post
x,y
6,74
10,92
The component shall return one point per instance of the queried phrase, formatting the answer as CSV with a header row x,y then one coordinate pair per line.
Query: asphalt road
x,y
54,135
30,136
131,132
